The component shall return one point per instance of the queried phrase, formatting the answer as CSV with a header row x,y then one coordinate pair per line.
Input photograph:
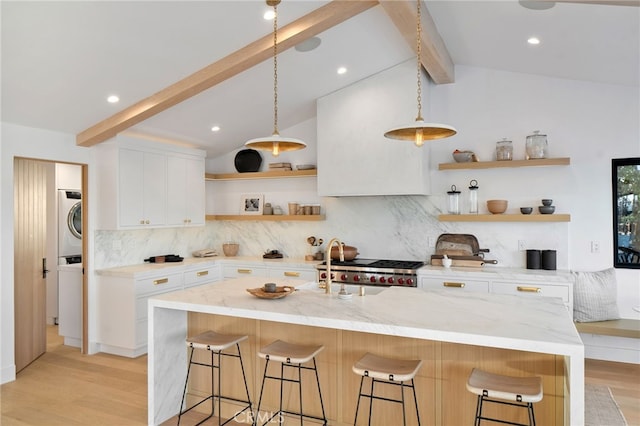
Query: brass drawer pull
x,y
244,271
202,273
291,274
530,289
451,284
161,281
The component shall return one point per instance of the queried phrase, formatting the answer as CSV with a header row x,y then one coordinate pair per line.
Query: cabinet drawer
x,y
159,284
233,271
455,284
201,276
531,289
303,274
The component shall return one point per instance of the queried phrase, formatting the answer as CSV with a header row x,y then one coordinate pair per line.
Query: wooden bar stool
x,y
293,356
389,372
515,391
216,343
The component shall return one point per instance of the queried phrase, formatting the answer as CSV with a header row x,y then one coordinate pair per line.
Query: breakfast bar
x,y
451,333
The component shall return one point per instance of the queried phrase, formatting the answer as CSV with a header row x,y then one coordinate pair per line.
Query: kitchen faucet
x,y
327,288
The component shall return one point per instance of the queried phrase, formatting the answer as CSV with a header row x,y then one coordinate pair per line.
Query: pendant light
x,y
275,143
419,131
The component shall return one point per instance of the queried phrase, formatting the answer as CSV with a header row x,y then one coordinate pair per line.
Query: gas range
x,y
372,272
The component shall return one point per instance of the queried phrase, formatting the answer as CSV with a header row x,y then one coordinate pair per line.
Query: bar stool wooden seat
x,y
387,371
293,356
499,389
216,343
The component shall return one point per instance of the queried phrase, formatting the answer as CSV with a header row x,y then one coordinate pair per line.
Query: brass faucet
x,y
327,288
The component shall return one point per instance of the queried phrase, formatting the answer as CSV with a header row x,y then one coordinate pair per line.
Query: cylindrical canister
x,y
454,200
534,259
549,260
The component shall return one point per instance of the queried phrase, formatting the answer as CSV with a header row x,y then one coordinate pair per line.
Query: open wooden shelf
x,y
270,217
564,161
504,218
277,174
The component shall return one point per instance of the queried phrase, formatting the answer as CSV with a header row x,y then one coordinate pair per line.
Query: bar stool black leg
x,y
264,378
184,392
315,368
404,417
415,400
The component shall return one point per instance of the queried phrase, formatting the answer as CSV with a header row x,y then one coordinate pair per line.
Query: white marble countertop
x,y
142,270
510,322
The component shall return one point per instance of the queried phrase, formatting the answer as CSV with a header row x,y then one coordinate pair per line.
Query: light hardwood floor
x,y
63,387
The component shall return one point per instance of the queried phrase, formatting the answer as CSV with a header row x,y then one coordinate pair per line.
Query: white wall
x,y
20,141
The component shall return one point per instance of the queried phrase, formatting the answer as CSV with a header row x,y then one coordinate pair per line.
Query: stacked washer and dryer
x,y
70,266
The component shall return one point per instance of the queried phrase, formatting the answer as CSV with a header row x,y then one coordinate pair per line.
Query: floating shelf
x,y
564,161
504,218
270,217
261,175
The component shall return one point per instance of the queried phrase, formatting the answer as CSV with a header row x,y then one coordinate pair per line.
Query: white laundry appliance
x,y
69,226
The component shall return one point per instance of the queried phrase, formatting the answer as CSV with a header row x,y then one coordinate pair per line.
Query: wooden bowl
x,y
497,206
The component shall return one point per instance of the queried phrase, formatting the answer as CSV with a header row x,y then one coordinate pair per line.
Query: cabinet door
x,y
185,191
195,189
131,191
142,188
155,189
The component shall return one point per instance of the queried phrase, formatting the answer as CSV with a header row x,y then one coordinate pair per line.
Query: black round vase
x,y
549,260
248,160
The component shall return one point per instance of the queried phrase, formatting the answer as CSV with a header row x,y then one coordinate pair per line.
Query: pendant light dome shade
x,y
419,131
275,143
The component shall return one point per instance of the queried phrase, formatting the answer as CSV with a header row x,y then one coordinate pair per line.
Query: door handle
x,y
44,267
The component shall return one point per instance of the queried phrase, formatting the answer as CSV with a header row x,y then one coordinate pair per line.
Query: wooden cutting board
x,y
459,262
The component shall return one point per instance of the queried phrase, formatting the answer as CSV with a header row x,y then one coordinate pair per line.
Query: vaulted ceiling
x,y
60,60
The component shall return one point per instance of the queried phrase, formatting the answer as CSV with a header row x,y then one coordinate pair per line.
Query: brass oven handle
x,y
452,284
244,271
291,274
530,289
161,281
202,273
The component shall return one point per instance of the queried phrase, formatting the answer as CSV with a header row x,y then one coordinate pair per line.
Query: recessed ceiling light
x,y
342,70
113,99
215,129
533,40
269,15
537,4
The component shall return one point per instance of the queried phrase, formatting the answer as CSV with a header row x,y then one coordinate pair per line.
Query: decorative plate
x,y
281,291
248,160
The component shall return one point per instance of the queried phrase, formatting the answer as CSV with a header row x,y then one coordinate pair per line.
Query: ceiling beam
x,y
252,54
434,57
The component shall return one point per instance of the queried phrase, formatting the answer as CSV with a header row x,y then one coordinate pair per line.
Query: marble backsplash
x,y
392,227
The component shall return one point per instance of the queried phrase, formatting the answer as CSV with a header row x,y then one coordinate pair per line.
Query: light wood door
x,y
30,232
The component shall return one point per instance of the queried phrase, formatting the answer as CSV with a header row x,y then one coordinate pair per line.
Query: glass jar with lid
x,y
504,150
536,146
454,200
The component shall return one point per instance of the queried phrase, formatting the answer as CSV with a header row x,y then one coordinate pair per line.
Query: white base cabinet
x,y
123,300
517,282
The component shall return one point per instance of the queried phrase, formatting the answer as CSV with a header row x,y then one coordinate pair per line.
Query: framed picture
x,y
251,203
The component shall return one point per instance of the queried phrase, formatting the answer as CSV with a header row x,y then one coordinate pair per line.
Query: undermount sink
x,y
335,288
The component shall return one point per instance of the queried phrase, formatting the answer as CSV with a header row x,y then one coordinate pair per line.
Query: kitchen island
x,y
451,333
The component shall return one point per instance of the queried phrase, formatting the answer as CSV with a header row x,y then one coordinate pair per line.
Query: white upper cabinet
x,y
144,184
186,191
354,157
